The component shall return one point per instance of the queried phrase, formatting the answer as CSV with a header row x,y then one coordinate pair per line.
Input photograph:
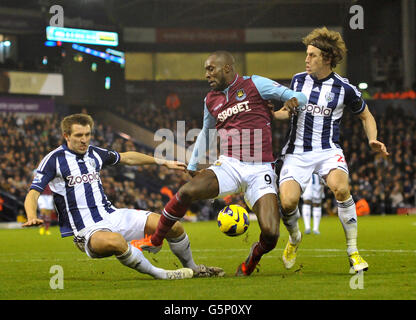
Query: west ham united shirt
x,y
242,118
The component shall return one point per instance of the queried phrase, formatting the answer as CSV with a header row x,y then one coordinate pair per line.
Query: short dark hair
x,y
78,118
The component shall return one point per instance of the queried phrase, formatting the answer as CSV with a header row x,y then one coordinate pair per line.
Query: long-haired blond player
x,y
313,141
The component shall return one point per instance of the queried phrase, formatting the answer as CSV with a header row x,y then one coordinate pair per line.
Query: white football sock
x,y
348,217
134,258
181,247
317,214
290,220
306,215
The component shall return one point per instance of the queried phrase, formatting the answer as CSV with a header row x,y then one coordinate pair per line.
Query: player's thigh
x,y
227,172
337,181
153,221
289,193
258,180
298,168
130,223
266,210
203,186
104,243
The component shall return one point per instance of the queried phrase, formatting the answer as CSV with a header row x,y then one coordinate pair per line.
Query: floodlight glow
x,y
98,54
50,43
363,85
115,52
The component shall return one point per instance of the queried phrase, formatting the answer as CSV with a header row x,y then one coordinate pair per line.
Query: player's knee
x,y
289,203
187,193
341,193
270,233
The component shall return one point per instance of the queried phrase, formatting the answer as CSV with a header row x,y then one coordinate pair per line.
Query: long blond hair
x,y
329,42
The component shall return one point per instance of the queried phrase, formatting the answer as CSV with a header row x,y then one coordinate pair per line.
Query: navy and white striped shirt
x,y
76,185
317,124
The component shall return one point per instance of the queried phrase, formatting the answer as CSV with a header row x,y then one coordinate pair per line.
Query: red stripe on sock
x,y
174,208
262,248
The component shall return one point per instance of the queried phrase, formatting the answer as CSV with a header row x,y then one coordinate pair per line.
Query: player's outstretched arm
x,y
271,90
31,206
203,142
133,158
370,128
289,108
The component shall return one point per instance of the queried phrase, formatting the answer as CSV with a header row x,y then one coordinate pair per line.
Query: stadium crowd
x,y
24,140
386,184
151,116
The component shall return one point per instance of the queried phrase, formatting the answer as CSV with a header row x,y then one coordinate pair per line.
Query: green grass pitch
x,y
388,243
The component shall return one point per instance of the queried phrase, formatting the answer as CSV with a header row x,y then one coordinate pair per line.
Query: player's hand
x,y
270,105
291,106
32,222
176,165
378,146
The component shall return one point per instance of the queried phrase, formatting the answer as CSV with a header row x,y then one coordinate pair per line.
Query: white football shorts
x,y
300,167
130,223
253,178
314,191
46,202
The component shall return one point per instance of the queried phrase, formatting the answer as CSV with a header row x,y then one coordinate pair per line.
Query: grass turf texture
x,y
321,271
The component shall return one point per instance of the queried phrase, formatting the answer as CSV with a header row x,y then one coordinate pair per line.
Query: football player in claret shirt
x,y
237,107
313,144
72,172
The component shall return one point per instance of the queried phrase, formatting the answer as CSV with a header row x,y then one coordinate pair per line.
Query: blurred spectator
x,y
396,197
172,101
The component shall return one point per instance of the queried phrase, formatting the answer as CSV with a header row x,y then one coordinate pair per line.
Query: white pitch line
x,y
271,255
318,250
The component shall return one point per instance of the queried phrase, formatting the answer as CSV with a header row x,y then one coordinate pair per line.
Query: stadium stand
x,y
26,139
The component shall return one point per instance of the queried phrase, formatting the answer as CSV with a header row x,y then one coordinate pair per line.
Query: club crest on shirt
x,y
38,178
92,163
329,96
240,94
